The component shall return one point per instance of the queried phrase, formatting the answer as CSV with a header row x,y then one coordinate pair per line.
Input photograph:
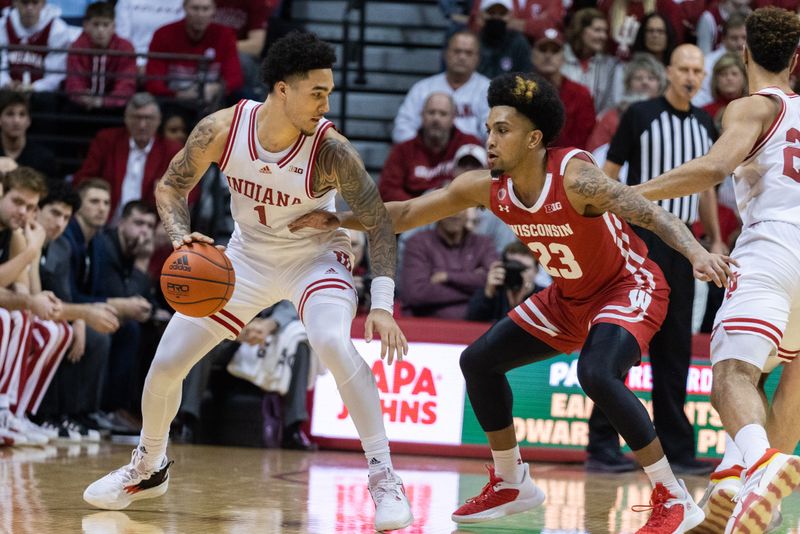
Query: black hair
x,y
10,98
99,9
772,35
295,55
533,96
61,191
638,43
137,205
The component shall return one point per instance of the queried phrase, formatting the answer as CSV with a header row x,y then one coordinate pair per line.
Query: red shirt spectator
x,y
242,16
111,79
531,17
631,8
195,34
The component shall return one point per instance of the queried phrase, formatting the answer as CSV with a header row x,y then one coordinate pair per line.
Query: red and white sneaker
x,y
772,478
719,500
500,498
670,514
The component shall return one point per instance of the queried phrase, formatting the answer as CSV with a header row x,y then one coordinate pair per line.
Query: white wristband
x,y
382,291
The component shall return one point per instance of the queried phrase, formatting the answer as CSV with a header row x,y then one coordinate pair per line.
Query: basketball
x,y
197,280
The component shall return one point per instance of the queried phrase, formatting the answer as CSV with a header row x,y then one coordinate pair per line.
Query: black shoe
x,y
297,440
691,466
601,463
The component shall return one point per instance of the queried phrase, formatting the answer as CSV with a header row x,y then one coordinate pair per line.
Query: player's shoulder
x,y
758,106
474,185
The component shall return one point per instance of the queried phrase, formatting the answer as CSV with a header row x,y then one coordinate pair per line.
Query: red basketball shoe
x,y
670,514
499,498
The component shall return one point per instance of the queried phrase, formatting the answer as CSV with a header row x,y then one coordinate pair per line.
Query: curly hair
x,y
61,191
772,36
295,55
532,96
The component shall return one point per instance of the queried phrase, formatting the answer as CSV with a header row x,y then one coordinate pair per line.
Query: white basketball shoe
x,y
129,483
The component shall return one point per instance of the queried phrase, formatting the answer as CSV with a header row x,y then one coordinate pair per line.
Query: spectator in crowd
x,y
644,78
728,82
664,127
530,17
34,23
502,49
655,36
195,34
124,274
96,81
443,267
15,120
510,280
72,403
467,87
547,57
734,36
627,17
709,25
248,18
425,162
89,256
585,60
175,127
131,158
137,20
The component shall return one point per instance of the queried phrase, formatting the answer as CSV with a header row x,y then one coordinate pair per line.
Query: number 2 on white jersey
x,y
571,271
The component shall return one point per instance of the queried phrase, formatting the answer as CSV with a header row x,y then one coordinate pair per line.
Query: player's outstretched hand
x,y
195,237
393,341
317,219
715,268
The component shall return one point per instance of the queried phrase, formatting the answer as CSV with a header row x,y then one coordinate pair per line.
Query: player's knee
x,y
594,377
473,361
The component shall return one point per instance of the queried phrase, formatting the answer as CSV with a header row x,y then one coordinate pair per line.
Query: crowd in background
x,y
82,247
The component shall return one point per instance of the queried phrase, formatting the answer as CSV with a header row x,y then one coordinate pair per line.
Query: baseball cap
x,y
550,35
486,4
475,151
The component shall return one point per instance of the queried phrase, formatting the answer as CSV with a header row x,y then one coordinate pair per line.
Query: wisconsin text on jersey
x,y
261,194
542,230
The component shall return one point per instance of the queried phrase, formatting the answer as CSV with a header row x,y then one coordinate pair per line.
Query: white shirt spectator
x,y
134,174
470,98
61,36
137,20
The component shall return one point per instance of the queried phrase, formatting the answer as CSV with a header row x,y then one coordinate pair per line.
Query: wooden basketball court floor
x,y
242,491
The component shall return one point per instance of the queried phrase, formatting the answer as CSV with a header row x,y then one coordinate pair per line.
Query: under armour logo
x,y
503,208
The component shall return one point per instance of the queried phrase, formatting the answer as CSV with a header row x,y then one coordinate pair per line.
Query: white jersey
x,y
269,191
767,183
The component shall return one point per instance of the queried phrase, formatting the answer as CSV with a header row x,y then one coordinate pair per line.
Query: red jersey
x,y
20,61
584,255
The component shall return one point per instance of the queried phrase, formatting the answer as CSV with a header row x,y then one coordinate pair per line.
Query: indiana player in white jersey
x,y
282,158
758,324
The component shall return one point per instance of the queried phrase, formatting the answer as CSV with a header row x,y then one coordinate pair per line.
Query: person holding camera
x,y
509,282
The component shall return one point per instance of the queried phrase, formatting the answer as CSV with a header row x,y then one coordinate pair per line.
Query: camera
x,y
514,270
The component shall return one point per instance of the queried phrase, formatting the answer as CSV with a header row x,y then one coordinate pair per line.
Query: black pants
x,y
670,356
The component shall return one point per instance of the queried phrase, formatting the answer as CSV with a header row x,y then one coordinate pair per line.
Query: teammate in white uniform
x,y
758,324
281,159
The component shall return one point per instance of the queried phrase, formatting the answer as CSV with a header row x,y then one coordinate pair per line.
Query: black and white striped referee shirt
x,y
653,137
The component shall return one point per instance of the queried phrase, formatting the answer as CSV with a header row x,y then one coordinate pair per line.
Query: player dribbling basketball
x,y
282,158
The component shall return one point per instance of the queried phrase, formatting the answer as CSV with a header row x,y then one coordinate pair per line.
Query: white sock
x,y
376,450
508,465
153,450
752,442
4,404
662,472
732,456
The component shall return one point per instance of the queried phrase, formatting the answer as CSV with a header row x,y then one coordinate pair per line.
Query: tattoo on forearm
x,y
610,195
184,171
339,166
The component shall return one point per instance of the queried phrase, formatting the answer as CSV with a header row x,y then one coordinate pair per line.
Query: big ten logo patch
x,y
733,283
344,259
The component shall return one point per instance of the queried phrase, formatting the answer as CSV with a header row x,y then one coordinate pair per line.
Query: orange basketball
x,y
197,280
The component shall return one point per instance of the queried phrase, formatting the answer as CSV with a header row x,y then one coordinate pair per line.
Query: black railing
x,y
349,50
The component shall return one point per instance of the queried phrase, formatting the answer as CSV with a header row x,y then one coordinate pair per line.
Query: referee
x,y
654,137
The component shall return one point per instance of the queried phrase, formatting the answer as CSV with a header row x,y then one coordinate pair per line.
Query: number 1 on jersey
x,y
262,214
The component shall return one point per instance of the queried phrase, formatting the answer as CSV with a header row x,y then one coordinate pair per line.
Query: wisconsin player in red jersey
x,y
758,325
607,298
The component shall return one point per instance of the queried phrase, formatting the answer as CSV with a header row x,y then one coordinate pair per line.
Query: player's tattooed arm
x,y
592,193
185,171
338,166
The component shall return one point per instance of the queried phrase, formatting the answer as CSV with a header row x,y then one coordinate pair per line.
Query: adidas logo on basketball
x,y
181,264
